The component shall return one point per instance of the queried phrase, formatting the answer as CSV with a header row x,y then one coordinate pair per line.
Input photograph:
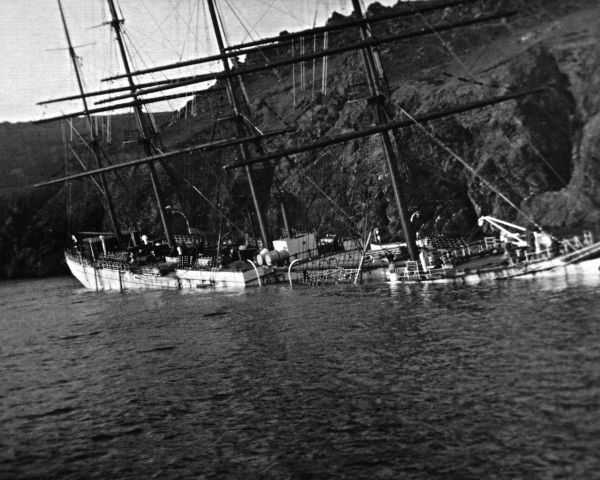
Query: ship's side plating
x,y
99,278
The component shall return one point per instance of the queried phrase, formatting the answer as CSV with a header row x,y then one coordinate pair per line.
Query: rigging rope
x,y
445,44
139,50
146,109
216,207
474,80
301,172
348,219
73,128
353,226
525,134
274,113
258,22
159,26
456,157
260,50
222,24
189,29
82,163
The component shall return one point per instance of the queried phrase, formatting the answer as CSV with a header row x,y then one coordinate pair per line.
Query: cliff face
x,y
539,153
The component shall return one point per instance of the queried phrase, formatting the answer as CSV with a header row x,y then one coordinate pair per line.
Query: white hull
x,y
219,278
575,263
97,278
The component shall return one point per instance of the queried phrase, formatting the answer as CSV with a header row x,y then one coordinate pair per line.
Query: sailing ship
x,y
102,261
303,257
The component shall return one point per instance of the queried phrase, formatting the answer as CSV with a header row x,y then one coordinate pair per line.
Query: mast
x,y
145,88
204,147
378,129
285,40
239,121
145,129
94,142
284,153
378,89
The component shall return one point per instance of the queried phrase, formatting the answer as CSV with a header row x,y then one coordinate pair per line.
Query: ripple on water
x,y
486,381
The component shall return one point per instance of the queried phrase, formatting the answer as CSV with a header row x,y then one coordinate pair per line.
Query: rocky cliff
x,y
539,153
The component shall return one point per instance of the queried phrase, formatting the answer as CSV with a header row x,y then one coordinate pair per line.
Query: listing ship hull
x,y
585,261
218,278
95,277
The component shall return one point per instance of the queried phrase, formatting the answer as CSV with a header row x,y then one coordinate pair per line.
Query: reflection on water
x,y
424,381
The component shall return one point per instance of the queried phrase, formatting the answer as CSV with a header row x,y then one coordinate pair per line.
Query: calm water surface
x,y
343,382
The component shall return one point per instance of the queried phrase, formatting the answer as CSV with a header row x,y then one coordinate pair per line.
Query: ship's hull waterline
x,y
585,261
551,268
97,278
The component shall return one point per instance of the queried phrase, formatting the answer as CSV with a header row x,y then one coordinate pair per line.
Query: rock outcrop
x,y
538,154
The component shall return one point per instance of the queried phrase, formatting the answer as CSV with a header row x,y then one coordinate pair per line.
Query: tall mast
x,y
145,129
378,89
239,121
281,41
166,84
94,139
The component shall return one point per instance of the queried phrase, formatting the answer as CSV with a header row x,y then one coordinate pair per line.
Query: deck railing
x,y
330,276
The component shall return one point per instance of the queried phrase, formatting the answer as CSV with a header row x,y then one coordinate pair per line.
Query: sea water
x,y
497,380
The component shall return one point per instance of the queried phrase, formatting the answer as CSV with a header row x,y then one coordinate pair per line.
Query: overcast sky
x,y
35,64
